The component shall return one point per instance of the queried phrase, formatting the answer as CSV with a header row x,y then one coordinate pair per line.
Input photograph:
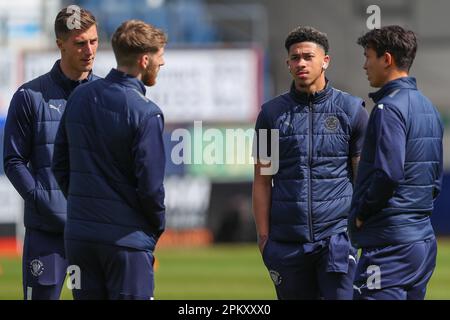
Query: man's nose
x,y
302,63
89,49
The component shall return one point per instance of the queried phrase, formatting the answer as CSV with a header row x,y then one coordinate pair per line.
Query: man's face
x,y
79,49
375,68
156,61
306,62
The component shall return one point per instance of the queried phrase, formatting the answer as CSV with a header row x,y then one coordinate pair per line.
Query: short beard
x,y
149,78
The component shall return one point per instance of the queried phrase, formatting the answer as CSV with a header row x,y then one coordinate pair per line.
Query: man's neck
x,y
131,71
394,75
317,86
72,74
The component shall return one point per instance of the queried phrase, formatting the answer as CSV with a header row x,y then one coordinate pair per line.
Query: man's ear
x,y
59,43
144,60
388,59
326,62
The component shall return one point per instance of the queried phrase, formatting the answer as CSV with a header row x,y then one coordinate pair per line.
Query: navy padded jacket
x,y
312,189
32,122
109,161
401,168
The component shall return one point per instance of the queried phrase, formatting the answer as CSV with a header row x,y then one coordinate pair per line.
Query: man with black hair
x,y
399,176
301,210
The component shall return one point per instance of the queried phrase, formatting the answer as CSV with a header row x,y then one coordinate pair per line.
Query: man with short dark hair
x,y
109,161
399,175
33,117
301,210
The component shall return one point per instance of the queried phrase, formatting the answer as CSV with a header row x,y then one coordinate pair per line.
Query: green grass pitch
x,y
216,272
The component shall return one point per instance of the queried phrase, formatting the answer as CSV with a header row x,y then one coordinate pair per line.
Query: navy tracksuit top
x,y
31,125
109,161
401,168
318,136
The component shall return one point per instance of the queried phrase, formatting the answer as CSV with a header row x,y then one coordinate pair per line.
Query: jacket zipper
x,y
310,135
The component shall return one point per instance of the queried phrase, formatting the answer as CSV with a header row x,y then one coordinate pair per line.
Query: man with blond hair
x,y
33,116
109,161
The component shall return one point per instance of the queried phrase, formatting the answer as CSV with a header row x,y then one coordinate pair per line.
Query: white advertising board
x,y
221,85
8,78
11,204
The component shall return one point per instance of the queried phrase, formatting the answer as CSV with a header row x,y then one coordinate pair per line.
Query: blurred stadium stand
x,y
186,22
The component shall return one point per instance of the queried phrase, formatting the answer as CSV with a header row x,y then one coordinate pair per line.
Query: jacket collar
x,y
388,88
127,80
67,84
305,98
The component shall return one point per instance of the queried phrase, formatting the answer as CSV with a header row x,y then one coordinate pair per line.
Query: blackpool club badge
x,y
36,267
276,278
332,123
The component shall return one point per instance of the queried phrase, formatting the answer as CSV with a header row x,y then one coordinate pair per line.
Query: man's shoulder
x,y
281,99
278,104
37,84
141,104
351,105
33,90
400,98
394,101
408,103
347,98
391,107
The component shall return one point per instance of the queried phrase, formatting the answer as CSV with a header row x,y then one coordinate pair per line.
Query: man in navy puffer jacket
x,y
301,211
399,176
33,117
109,161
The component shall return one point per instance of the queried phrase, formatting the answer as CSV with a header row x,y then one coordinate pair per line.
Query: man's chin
x,y
85,69
149,82
303,84
374,84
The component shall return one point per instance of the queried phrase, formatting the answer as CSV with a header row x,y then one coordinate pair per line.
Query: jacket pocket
x,y
339,251
44,269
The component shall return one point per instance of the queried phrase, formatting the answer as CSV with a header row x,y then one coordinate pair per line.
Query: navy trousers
x,y
111,272
396,272
320,270
44,265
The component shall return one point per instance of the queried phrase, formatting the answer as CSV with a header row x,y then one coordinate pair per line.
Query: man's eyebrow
x,y
302,53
